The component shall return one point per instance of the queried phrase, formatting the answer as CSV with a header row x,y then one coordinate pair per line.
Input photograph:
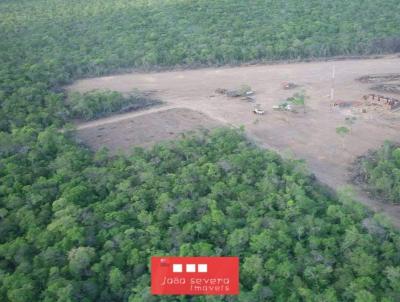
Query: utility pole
x,y
333,84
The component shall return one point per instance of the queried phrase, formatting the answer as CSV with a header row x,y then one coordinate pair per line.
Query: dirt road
x,y
122,117
311,136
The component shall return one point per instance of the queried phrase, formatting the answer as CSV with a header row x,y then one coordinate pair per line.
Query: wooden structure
x,y
387,102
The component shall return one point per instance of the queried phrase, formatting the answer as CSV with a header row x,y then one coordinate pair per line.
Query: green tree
x,y
342,132
80,259
116,280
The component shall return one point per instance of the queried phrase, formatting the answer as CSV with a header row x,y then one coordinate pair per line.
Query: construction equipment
x,y
258,110
243,91
248,98
288,85
346,104
283,107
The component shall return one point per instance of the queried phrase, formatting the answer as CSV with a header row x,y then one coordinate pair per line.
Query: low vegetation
x,y
298,99
379,172
97,103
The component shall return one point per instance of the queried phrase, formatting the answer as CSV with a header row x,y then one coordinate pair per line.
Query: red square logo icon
x,y
194,275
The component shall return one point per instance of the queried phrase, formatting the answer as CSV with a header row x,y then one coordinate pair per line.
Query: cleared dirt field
x,y
144,129
311,136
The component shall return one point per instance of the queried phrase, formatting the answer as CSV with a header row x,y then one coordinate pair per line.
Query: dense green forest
x,y
379,172
82,228
78,226
100,103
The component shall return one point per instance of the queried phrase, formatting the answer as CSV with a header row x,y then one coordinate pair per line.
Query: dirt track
x,y
311,136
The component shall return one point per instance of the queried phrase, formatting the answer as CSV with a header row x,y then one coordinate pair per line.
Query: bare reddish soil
x,y
144,129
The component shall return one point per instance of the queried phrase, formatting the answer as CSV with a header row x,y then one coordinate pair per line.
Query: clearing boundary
x,y
309,135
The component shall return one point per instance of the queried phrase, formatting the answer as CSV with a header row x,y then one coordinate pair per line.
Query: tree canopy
x,y
100,103
81,226
379,172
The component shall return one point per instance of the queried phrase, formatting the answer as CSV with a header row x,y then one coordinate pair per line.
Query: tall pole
x,y
333,84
